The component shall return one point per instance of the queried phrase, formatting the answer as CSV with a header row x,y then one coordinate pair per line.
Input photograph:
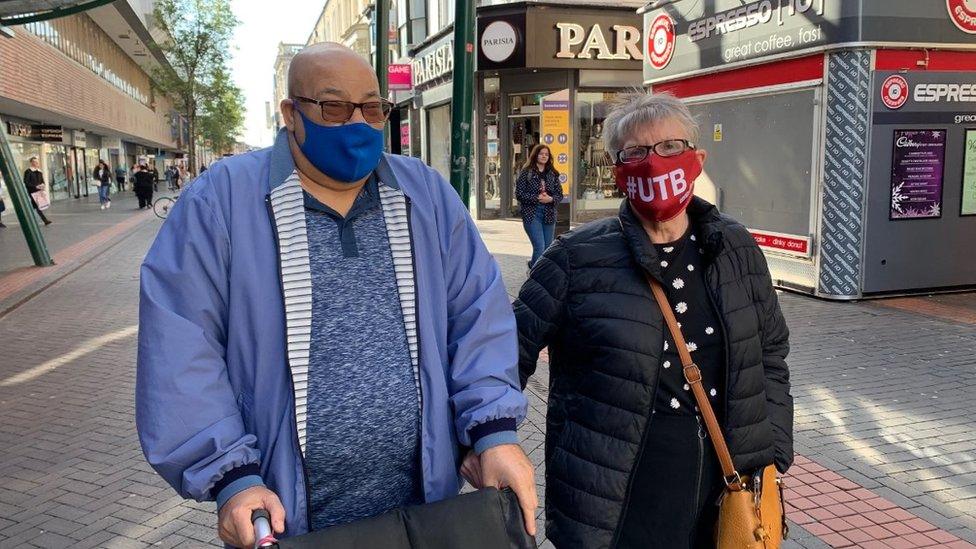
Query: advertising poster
x,y
916,174
969,175
556,130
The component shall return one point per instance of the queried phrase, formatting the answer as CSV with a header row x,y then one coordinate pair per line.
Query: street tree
x,y
221,116
197,46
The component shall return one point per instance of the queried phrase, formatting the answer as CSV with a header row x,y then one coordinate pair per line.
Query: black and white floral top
x,y
685,286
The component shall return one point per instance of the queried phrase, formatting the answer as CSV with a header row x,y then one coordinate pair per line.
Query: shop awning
x,y
19,12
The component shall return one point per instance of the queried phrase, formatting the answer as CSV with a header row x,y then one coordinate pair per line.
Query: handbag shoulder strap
x,y
694,378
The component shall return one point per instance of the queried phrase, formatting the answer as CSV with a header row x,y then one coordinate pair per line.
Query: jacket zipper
x,y
640,450
698,476
416,308
291,377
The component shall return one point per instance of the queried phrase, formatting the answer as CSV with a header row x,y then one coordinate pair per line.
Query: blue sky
x,y
263,25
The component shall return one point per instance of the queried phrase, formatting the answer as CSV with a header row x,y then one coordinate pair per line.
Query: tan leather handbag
x,y
751,512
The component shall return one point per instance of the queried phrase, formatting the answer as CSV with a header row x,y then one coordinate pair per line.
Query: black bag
x,y
3,206
486,519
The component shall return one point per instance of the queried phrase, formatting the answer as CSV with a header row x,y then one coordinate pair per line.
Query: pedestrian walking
x,y
615,477
183,177
143,185
538,191
168,175
37,189
103,178
203,168
3,207
120,175
155,177
380,358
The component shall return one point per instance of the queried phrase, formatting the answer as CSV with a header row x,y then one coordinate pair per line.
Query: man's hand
x,y
506,466
471,470
234,518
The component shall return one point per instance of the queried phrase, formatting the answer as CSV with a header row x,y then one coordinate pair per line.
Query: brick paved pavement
x,y
881,400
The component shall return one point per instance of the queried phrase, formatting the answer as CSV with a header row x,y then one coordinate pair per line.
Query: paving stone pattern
x,y
881,401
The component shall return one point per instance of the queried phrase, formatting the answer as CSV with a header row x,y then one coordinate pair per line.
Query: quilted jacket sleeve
x,y
540,307
775,348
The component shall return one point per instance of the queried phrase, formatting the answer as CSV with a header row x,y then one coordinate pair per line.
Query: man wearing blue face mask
x,y
323,333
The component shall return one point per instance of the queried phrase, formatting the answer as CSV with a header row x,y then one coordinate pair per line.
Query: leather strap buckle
x,y
692,373
734,482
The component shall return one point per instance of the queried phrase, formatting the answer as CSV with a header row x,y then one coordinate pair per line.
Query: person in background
x,y
3,206
155,177
203,168
382,317
168,175
538,192
103,176
34,181
629,463
143,185
120,175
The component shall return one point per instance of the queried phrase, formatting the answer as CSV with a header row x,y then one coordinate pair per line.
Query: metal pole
x,y
22,205
462,105
382,22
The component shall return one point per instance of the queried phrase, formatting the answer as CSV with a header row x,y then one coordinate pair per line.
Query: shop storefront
x,y
548,74
843,134
426,132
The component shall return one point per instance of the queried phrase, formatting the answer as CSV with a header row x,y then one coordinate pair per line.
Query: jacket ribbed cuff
x,y
236,480
493,433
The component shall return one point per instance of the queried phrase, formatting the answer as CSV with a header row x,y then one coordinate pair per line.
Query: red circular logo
x,y
963,14
660,41
894,91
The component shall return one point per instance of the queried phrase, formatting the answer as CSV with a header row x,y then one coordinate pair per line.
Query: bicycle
x,y
162,205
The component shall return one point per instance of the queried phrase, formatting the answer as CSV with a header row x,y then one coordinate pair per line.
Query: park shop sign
x,y
617,42
434,65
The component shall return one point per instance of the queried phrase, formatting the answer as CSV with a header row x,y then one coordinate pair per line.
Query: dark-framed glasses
x,y
339,112
666,148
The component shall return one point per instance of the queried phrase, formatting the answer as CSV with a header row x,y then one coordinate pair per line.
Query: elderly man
x,y
322,330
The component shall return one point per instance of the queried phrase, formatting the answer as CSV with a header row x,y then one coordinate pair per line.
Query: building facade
x,y
842,134
345,22
286,52
78,88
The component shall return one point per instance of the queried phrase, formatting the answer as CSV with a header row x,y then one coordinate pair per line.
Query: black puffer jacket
x,y
589,303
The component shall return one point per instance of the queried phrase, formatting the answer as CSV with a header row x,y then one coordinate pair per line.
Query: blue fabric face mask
x,y
345,153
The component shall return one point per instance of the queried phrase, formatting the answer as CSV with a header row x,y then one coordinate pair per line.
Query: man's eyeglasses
x,y
339,112
666,148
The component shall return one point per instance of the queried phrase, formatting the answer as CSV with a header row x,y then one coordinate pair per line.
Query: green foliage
x,y
221,114
198,41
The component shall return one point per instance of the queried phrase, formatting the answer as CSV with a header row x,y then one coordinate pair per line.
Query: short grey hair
x,y
633,110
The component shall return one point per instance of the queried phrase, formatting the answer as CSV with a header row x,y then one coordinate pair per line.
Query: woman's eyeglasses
x,y
339,112
666,148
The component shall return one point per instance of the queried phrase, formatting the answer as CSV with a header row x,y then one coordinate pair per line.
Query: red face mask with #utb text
x,y
659,188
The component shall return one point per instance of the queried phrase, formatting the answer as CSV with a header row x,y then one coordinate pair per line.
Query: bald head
x,y
326,66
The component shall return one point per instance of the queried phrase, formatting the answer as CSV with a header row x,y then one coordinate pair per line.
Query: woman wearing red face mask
x,y
538,192
629,458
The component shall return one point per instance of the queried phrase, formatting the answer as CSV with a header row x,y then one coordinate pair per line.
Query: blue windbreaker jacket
x,y
224,323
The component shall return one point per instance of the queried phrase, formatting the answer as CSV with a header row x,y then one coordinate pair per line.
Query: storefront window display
x,y
56,171
439,139
595,188
493,160
523,130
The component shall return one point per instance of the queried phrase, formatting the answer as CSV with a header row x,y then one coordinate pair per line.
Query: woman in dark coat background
x,y
143,185
628,461
538,192
34,181
103,175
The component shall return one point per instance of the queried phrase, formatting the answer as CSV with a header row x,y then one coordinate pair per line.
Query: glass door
x,y
524,134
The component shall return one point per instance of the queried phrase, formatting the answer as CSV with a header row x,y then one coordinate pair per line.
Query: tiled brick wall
x,y
37,74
